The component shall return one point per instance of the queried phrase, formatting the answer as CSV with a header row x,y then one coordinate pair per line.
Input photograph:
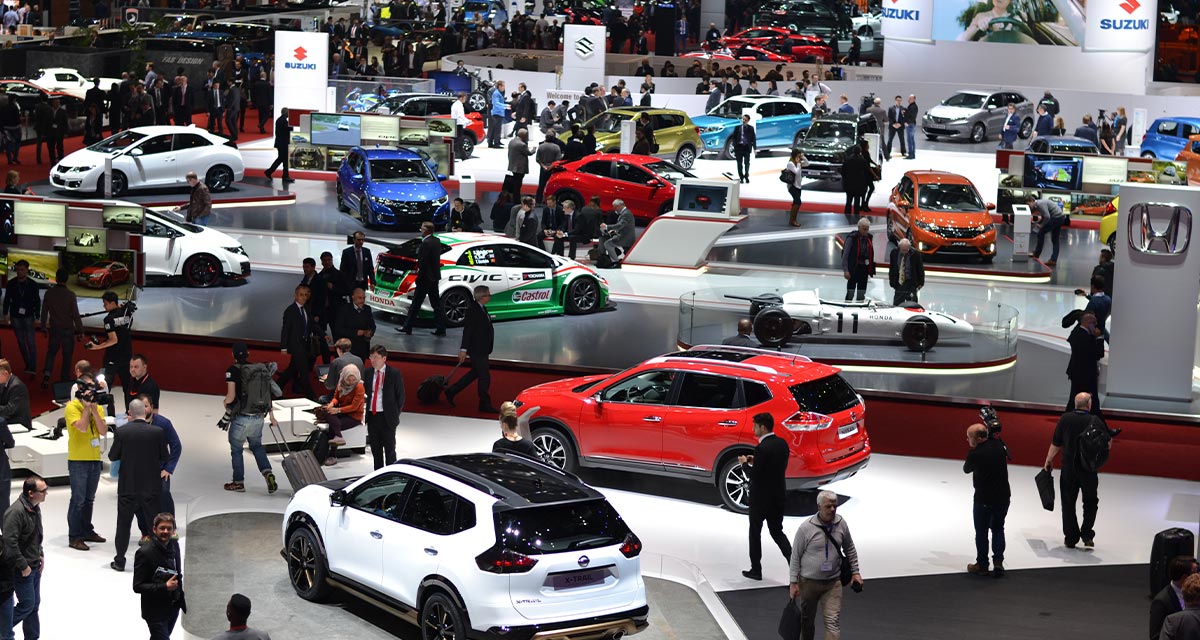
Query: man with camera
x,y
158,577
14,409
988,462
142,449
85,429
118,341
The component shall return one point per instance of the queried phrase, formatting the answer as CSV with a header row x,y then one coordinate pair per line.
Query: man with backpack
x,y
247,402
1084,440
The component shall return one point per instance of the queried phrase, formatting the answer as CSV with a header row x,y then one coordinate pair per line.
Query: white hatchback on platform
x,y
471,546
147,157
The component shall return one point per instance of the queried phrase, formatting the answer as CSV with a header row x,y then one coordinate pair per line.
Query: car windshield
x,y
949,197
610,121
399,170
122,140
671,172
822,129
177,220
476,6
966,100
554,529
730,109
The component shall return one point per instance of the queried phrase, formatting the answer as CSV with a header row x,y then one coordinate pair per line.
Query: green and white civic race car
x,y
525,281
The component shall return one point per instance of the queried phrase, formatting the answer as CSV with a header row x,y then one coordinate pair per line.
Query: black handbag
x,y
847,573
1045,487
789,622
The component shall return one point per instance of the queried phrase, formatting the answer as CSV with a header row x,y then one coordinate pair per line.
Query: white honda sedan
x,y
158,156
201,256
69,81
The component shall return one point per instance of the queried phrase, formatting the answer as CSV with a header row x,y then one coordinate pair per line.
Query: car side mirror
x,y
137,151
357,176
598,397
441,177
990,206
337,498
654,182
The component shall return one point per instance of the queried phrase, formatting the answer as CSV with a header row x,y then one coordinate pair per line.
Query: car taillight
x,y
632,546
501,560
1109,208
697,130
808,421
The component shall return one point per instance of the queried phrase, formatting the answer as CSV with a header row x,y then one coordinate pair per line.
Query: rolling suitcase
x,y
1168,544
301,467
431,388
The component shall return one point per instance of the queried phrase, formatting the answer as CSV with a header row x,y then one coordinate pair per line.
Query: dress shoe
x,y
79,545
1051,263
338,441
116,566
752,574
976,570
866,209
407,332
440,333
488,409
94,537
449,397
288,181
270,176
1089,543
998,569
1069,543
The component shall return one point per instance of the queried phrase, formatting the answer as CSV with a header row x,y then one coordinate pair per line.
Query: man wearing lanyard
x,y
815,572
385,401
356,267
22,306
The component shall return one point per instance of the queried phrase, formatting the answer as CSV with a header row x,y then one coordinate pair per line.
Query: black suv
x,y
804,16
425,105
829,137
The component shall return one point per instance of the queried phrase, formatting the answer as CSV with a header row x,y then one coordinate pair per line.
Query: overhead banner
x,y
301,70
584,50
1058,23
907,20
1120,25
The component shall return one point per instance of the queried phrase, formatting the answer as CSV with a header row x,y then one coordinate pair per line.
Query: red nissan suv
x,y
689,415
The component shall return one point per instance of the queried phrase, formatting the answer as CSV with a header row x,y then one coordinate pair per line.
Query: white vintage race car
x,y
803,314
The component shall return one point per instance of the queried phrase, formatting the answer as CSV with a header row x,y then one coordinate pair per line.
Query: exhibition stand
x,y
703,211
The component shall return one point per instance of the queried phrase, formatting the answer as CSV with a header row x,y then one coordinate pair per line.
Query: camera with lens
x,y
988,416
91,392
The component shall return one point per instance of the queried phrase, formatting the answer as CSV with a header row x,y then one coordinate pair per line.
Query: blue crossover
x,y
780,122
391,188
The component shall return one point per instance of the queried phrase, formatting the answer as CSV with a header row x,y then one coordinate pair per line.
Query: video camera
x,y
91,392
987,415
866,102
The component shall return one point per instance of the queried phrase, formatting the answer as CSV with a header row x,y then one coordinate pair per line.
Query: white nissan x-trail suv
x,y
485,545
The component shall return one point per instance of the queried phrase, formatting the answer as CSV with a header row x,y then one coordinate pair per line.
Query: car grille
x,y
957,232
938,120
245,269
407,208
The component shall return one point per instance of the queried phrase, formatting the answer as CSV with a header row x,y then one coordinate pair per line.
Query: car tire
x,y
442,619
1148,154
219,178
477,102
1026,129
464,146
1112,243
764,301
120,184
202,271
556,448
341,202
686,156
364,215
978,133
562,195
919,334
867,31
798,139
734,485
307,570
454,306
727,149
583,296
772,327
106,283
988,259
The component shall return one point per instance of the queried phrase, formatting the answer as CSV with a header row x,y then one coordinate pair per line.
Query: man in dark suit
x,y
295,339
283,136
356,323
622,233
216,108
158,578
766,468
1170,599
182,101
744,143
262,96
385,400
429,274
1083,369
14,409
142,449
895,129
356,267
744,337
477,340
317,305
906,272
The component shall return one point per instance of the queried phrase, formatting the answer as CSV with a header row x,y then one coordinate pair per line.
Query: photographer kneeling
x,y
988,461
85,429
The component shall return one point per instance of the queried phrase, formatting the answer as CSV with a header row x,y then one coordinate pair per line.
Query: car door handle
x,y
728,423
377,535
431,551
652,419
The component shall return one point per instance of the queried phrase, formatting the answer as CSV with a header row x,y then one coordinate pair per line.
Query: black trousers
x,y
297,372
904,292
894,133
280,159
381,437
855,201
215,120
856,286
143,507
479,371
264,116
1071,483
430,290
570,241
117,368
742,156
60,339
773,516
543,178
1090,384
512,184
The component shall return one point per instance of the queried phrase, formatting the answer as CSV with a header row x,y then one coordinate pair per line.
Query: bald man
x,y
988,462
906,271
744,337
1074,479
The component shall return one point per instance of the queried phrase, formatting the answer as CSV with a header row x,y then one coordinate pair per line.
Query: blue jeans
x,y
910,136
989,517
25,333
84,476
29,596
161,629
247,428
202,221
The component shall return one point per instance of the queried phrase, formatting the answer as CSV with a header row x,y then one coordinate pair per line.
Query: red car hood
x,y
87,271
557,387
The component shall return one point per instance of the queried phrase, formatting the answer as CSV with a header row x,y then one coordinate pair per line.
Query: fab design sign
x,y
301,70
907,20
1120,25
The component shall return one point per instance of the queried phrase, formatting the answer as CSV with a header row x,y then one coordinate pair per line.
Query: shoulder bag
x,y
847,573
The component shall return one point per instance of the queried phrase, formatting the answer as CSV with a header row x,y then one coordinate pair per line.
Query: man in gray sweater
x,y
815,572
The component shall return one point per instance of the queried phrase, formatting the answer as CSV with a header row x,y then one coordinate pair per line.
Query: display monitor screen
x,y
86,240
43,219
123,217
708,198
1053,172
43,265
380,128
1098,170
337,130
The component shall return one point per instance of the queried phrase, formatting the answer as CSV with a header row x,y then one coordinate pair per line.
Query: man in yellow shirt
x,y
85,429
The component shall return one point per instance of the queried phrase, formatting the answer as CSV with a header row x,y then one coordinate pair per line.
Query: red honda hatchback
x,y
645,183
690,414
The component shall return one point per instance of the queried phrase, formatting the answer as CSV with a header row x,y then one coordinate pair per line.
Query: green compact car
x,y
677,136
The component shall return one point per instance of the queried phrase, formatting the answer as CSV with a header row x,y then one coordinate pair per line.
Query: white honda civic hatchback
x,y
471,546
158,156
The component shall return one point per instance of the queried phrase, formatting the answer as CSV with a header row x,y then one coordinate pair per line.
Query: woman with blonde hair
x,y
345,409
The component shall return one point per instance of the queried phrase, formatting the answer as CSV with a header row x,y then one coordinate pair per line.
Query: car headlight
x,y
83,169
441,201
984,228
921,224
239,250
959,121
712,129
96,276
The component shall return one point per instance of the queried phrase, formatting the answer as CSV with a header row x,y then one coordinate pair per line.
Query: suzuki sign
x,y
301,70
1120,25
907,20
584,54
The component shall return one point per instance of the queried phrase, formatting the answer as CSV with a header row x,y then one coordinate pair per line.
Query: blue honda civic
x,y
391,188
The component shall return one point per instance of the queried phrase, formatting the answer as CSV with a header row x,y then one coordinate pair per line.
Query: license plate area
x,y
578,579
847,430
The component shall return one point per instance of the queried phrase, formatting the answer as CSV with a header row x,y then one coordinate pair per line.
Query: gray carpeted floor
x,y
239,553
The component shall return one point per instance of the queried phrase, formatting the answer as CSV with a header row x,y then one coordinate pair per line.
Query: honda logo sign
x,y
1159,228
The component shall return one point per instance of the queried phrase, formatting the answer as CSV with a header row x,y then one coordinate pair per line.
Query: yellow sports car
x,y
1108,224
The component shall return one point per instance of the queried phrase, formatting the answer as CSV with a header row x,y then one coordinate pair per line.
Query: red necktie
x,y
377,404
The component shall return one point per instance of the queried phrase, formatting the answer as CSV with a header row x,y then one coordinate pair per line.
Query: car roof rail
x,y
447,465
795,357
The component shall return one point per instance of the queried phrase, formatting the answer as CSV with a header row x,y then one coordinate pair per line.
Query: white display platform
x,y
680,241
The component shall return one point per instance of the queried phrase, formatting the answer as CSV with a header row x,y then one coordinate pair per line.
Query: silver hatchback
x,y
976,115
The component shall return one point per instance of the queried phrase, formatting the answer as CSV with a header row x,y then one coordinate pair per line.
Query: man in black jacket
x,y
23,546
356,323
22,308
142,449
988,461
766,468
477,340
283,136
384,402
295,340
895,116
744,143
1074,479
158,577
906,272
858,260
262,95
14,409
182,101
1170,599
429,274
357,267
1083,369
